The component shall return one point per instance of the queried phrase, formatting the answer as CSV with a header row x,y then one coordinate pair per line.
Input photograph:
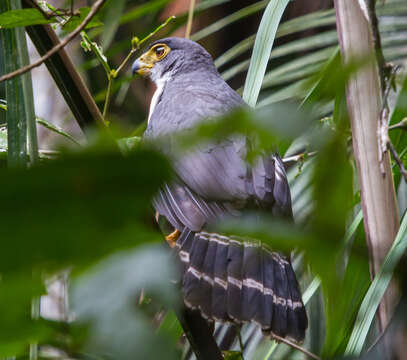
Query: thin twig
x,y
295,346
132,51
398,161
107,99
112,73
165,23
383,138
94,9
400,125
298,157
135,43
381,62
190,18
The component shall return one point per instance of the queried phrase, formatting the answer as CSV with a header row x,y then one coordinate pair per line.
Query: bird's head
x,y
168,56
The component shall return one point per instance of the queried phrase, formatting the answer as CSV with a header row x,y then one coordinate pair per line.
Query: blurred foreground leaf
x,y
107,297
78,208
16,326
270,128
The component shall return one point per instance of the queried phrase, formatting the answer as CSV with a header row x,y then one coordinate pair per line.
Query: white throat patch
x,y
160,83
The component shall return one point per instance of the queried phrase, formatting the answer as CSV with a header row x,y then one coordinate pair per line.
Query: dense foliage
x,y
79,215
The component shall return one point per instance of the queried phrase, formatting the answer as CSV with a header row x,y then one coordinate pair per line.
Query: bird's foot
x,y
173,237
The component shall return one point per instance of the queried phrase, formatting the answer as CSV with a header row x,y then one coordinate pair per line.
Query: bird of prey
x,y
226,279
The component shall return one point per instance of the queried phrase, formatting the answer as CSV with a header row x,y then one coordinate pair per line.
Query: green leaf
x,y
171,326
89,45
78,208
3,138
302,66
142,10
304,22
129,143
238,15
3,104
23,17
16,326
56,129
232,355
28,95
75,21
107,295
261,51
306,44
317,90
114,10
376,291
399,137
16,115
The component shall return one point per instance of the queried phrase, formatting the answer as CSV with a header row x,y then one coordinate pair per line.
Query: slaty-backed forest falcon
x,y
226,279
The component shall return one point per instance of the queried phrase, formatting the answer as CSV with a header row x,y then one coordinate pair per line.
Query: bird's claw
x,y
173,237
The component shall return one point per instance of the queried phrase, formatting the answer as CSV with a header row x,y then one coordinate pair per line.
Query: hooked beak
x,y
140,67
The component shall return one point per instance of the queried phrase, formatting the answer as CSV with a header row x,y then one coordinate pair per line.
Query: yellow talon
x,y
173,237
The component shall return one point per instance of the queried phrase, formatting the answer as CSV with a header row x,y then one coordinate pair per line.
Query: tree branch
x,y
66,77
94,9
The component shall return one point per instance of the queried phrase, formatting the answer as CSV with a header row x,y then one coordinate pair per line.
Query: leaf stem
x,y
190,18
107,99
112,73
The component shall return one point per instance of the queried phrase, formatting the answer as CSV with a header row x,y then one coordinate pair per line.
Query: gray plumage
x,y
226,280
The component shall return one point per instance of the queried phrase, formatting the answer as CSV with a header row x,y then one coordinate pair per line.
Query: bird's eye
x,y
159,51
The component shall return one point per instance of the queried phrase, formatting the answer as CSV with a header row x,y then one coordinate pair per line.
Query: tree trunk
x,y
380,214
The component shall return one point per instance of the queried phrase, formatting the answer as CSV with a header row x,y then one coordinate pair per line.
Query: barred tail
x,y
233,281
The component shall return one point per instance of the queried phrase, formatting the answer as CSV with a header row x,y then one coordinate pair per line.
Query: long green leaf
x,y
238,15
296,90
57,130
295,71
307,44
305,22
28,96
316,19
376,291
114,11
261,51
16,113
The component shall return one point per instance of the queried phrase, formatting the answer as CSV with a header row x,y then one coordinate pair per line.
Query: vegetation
x,y
76,221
